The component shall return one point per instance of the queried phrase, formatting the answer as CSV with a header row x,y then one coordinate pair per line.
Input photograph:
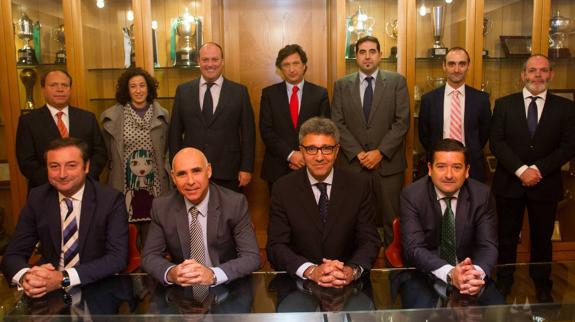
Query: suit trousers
x,y
541,221
386,190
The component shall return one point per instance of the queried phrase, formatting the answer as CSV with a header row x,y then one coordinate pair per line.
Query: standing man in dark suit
x,y
283,108
81,225
206,229
448,225
214,115
54,120
371,110
457,111
532,136
322,219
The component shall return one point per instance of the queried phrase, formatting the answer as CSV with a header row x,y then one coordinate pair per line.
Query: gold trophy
x,y
438,22
61,52
559,29
189,31
391,29
28,77
435,82
25,31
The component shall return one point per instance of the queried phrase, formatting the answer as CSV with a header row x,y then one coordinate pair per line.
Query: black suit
x,y
552,145
103,233
475,226
477,116
37,128
228,140
296,234
276,126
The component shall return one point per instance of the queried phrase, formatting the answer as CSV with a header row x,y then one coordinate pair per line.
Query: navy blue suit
x,y
477,118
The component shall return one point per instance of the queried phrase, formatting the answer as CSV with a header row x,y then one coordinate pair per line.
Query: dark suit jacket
x,y
103,235
37,128
276,126
551,147
296,234
477,117
231,240
228,141
387,125
475,226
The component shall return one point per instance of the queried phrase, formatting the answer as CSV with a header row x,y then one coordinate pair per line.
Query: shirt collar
x,y
449,90
362,76
54,110
441,195
77,196
313,181
527,94
290,86
202,206
218,82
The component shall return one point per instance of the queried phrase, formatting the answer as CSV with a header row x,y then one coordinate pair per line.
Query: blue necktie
x,y
367,98
70,237
532,116
323,202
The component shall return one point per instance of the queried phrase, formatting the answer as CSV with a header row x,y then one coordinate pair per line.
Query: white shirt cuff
x,y
16,278
520,171
302,269
442,272
478,268
220,275
74,277
166,275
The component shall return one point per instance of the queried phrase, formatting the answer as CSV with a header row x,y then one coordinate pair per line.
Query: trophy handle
x,y
369,23
389,28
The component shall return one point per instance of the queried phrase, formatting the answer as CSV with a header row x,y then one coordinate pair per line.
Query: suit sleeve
x,y
30,166
116,248
324,109
393,140
349,144
497,141
484,121
485,250
248,259
424,122
99,154
248,133
273,142
21,245
176,129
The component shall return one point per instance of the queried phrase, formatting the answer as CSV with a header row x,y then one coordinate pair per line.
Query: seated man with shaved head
x,y
206,229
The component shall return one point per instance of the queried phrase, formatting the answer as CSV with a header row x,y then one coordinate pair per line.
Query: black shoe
x,y
544,296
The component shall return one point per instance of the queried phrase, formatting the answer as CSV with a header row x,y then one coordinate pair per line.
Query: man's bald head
x,y
191,174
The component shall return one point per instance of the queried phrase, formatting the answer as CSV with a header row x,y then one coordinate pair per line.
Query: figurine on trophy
x,y
357,26
559,29
28,77
188,28
27,30
61,52
487,24
438,22
391,29
129,43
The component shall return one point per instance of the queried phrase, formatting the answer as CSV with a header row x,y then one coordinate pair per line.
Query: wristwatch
x,y
356,271
65,279
214,278
450,277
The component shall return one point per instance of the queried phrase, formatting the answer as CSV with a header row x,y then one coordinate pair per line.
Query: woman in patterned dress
x,y
135,130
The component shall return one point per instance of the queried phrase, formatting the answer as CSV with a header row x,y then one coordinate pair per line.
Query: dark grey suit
x,y
231,240
385,131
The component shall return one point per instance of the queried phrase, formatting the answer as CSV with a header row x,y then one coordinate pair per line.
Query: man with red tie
x,y
284,107
56,119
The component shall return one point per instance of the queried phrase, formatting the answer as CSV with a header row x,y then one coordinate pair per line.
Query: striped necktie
x,y
70,237
455,123
447,248
197,252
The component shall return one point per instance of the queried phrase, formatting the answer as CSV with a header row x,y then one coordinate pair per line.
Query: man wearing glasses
x,y
321,224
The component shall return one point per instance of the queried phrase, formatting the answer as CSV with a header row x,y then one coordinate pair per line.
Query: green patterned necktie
x,y
447,250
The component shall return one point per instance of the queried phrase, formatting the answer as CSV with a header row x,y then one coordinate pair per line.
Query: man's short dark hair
x,y
66,142
63,71
319,125
456,48
290,50
449,145
367,38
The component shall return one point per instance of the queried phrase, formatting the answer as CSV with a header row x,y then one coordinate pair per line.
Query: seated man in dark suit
x,y
206,229
322,219
448,225
81,225
56,119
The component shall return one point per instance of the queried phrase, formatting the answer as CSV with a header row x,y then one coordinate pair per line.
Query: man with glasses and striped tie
x,y
81,225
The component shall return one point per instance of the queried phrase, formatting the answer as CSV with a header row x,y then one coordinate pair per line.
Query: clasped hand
x,y
190,272
39,280
331,273
466,278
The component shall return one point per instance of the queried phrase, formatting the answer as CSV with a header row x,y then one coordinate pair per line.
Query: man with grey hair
x,y
321,224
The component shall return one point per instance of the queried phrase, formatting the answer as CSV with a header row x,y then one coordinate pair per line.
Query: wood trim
x,y
545,17
338,39
143,34
76,64
407,18
10,101
476,76
537,26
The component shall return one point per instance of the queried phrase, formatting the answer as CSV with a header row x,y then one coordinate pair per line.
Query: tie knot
x,y
455,92
448,201
69,204
194,212
368,80
210,84
322,186
295,89
59,115
533,98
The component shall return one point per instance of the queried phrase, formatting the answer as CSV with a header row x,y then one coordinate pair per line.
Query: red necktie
x,y
294,105
455,123
61,126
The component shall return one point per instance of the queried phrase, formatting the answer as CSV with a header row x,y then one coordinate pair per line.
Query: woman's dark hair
x,y
122,88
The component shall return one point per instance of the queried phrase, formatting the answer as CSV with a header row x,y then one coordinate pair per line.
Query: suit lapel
x,y
305,194
305,109
461,214
437,214
355,94
439,113
89,203
518,108
196,108
182,225
545,114
380,84
335,200
213,220
49,120
54,216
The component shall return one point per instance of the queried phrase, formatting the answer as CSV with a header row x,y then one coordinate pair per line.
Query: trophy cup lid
x,y
558,23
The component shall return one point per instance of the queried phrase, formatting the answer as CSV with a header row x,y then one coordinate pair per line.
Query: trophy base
x,y
186,59
350,51
437,52
485,53
559,53
393,52
60,58
27,57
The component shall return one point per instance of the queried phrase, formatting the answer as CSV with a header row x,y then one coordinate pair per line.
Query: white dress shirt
x,y
215,91
540,102
65,116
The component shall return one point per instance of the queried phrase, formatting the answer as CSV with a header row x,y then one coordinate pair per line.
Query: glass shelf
x,y
63,66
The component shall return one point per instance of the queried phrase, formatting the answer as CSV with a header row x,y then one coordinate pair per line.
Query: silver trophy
x,y
438,22
189,31
25,31
357,26
61,39
559,29
129,46
28,77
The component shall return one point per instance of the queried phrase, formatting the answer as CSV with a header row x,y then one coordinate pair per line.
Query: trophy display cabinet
x,y
96,40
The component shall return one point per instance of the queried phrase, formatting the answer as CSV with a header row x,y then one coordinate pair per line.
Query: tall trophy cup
x,y
438,21
487,24
129,43
391,29
559,29
25,31
28,77
189,31
358,25
61,52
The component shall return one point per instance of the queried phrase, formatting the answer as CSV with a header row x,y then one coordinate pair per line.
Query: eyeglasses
x,y
325,150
